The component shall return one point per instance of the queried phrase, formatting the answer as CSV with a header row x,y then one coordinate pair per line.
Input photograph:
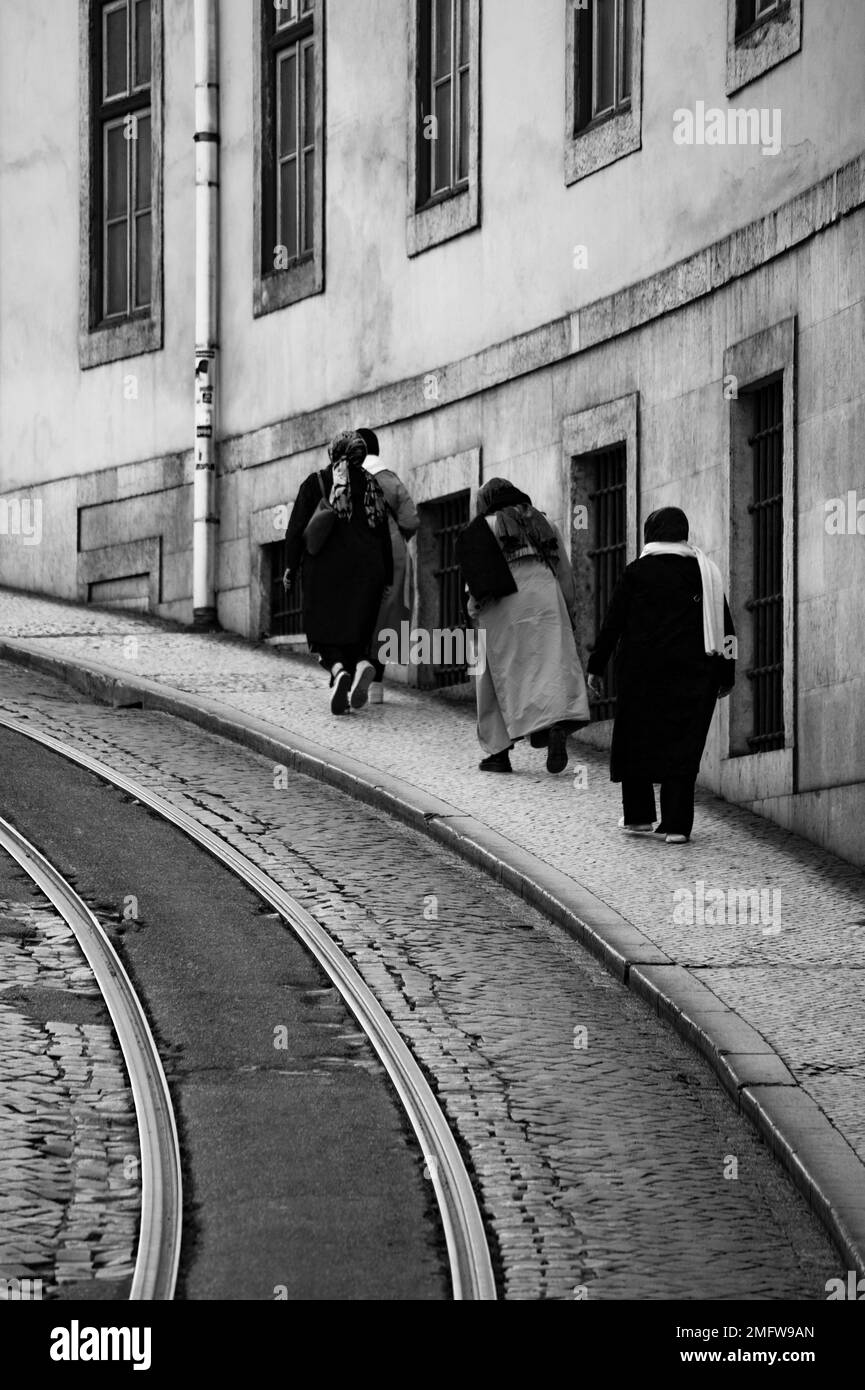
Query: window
x,y
766,604
602,479
444,119
286,610
751,12
443,77
758,723
289,152
447,518
604,87
604,67
760,35
124,124
121,232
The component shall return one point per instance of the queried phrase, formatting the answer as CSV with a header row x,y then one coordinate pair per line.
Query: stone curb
x,y
816,1155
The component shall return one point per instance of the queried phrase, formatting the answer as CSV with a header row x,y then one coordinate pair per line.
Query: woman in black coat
x,y
670,625
344,582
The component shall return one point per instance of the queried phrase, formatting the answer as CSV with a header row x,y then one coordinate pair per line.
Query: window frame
x,y
584,436
771,39
747,775
273,288
104,338
600,138
456,209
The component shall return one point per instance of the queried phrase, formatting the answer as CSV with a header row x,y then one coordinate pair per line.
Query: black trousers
x,y
677,804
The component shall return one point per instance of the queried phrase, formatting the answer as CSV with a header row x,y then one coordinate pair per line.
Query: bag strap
x,y
320,477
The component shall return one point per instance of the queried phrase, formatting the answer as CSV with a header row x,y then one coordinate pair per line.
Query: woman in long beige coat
x,y
530,683
404,523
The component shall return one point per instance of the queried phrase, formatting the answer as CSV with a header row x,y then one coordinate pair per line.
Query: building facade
x,y
613,250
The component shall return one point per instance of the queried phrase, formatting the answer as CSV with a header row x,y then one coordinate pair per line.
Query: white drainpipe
x,y
206,523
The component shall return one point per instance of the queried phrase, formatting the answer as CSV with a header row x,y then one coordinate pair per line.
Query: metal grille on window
x,y
766,604
449,518
607,505
286,610
124,125
445,105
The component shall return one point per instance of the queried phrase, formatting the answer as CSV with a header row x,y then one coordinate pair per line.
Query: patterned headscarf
x,y
347,451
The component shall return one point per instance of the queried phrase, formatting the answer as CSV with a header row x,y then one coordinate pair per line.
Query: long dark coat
x,y
666,685
344,582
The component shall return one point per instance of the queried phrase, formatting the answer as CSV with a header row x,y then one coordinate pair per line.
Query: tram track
x,y
469,1259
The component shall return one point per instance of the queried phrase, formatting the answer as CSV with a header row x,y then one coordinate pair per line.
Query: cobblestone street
x,y
610,1163
800,987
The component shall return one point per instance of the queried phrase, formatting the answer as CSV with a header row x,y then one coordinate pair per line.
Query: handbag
x,y
320,524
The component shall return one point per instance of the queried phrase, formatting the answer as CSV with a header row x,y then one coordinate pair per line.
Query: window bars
x,y
286,610
766,604
449,517
608,507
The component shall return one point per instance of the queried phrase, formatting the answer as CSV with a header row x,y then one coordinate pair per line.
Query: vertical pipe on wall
x,y
206,517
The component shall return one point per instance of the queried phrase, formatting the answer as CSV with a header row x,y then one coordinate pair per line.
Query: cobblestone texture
x,y
801,987
69,1156
602,1166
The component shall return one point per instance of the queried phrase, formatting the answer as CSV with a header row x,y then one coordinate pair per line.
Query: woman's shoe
x,y
363,678
677,839
541,739
496,762
376,693
557,756
340,685
635,829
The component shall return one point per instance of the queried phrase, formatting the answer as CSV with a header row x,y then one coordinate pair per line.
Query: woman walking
x,y
521,600
346,563
675,658
404,522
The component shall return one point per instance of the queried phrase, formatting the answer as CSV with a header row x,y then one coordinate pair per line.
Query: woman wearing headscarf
x,y
404,522
522,600
343,582
671,628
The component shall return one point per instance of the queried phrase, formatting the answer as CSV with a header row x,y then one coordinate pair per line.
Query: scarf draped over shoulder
x,y
347,452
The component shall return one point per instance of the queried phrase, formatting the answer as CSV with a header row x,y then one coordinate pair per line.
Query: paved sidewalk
x,y
775,1002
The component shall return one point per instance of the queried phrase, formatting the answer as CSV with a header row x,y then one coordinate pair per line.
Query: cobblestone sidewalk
x,y
793,969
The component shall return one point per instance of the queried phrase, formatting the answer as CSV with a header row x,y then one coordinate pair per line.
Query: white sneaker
x,y
363,677
635,829
676,839
376,693
340,686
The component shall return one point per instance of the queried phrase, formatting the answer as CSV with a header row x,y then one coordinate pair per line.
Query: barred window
x,y
446,518
286,610
123,186
444,104
766,603
603,52
750,13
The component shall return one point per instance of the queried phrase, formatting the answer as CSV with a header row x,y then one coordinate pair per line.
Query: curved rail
x,y
160,1228
468,1252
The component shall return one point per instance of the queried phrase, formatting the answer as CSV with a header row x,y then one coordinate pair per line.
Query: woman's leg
x,y
638,801
677,806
